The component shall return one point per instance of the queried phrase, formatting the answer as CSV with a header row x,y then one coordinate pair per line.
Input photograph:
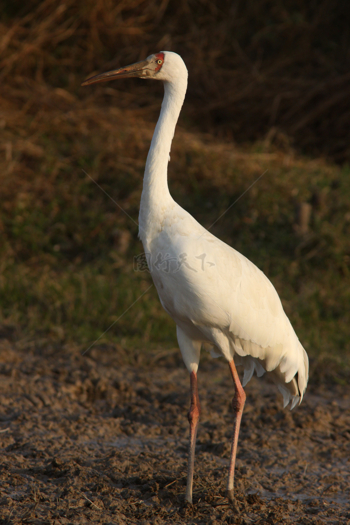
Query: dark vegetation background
x,y
268,90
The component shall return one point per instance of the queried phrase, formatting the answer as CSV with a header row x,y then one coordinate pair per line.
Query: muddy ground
x,y
91,439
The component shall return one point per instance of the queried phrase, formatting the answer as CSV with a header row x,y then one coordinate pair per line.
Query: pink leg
x,y
238,405
193,418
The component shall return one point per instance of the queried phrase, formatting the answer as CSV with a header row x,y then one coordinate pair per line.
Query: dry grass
x,y
254,66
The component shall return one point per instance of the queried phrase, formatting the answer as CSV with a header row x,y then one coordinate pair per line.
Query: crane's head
x,y
162,66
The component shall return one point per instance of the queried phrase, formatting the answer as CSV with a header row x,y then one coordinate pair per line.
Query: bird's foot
x,y
230,495
232,500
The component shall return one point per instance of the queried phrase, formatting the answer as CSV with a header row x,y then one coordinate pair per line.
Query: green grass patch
x,y
68,244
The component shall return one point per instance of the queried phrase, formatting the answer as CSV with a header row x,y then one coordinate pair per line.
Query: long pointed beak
x,y
139,69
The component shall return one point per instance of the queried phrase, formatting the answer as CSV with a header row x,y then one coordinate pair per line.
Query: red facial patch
x,y
160,60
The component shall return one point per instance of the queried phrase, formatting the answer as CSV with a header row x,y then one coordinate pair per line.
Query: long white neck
x,y
155,197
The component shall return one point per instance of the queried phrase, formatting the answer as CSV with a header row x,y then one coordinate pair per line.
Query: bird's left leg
x,y
193,419
190,351
237,405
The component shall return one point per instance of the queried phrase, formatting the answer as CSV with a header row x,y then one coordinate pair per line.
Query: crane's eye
x,y
159,61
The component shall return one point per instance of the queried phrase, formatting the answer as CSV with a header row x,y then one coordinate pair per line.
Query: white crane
x,y
214,294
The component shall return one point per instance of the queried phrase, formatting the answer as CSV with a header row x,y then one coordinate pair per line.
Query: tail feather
x,y
293,390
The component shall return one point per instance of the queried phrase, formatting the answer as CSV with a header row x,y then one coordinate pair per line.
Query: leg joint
x,y
194,413
239,400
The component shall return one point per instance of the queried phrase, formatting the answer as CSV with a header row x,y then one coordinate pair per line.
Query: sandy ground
x,y
91,439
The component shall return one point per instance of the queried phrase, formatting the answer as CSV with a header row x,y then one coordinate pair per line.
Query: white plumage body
x,y
217,296
214,294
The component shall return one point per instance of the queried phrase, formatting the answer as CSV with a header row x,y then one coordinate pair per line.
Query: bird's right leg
x,y
193,418
237,405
